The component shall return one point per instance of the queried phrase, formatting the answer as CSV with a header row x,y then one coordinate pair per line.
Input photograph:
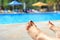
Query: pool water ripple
x,y
21,18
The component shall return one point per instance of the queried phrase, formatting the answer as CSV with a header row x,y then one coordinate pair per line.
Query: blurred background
x,y
52,5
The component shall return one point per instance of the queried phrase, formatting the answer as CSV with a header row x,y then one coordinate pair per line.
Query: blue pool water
x,y
21,18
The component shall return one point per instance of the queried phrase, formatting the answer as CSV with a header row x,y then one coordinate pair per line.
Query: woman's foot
x,y
29,25
50,24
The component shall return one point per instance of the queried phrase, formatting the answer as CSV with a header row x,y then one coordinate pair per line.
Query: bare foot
x,y
52,27
36,33
29,24
51,24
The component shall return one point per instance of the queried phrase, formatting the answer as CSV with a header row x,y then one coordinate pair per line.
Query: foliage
x,y
30,2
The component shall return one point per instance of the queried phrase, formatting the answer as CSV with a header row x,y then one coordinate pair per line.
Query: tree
x,y
58,5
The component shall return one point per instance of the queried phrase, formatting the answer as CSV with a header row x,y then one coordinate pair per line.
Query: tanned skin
x,y
54,29
36,33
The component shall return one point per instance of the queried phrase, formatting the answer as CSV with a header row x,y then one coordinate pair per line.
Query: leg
x,y
55,29
36,33
52,26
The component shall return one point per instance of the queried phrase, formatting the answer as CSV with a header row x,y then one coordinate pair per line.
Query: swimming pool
x,y
21,18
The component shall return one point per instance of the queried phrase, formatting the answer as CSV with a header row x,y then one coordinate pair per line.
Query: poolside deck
x,y
18,31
